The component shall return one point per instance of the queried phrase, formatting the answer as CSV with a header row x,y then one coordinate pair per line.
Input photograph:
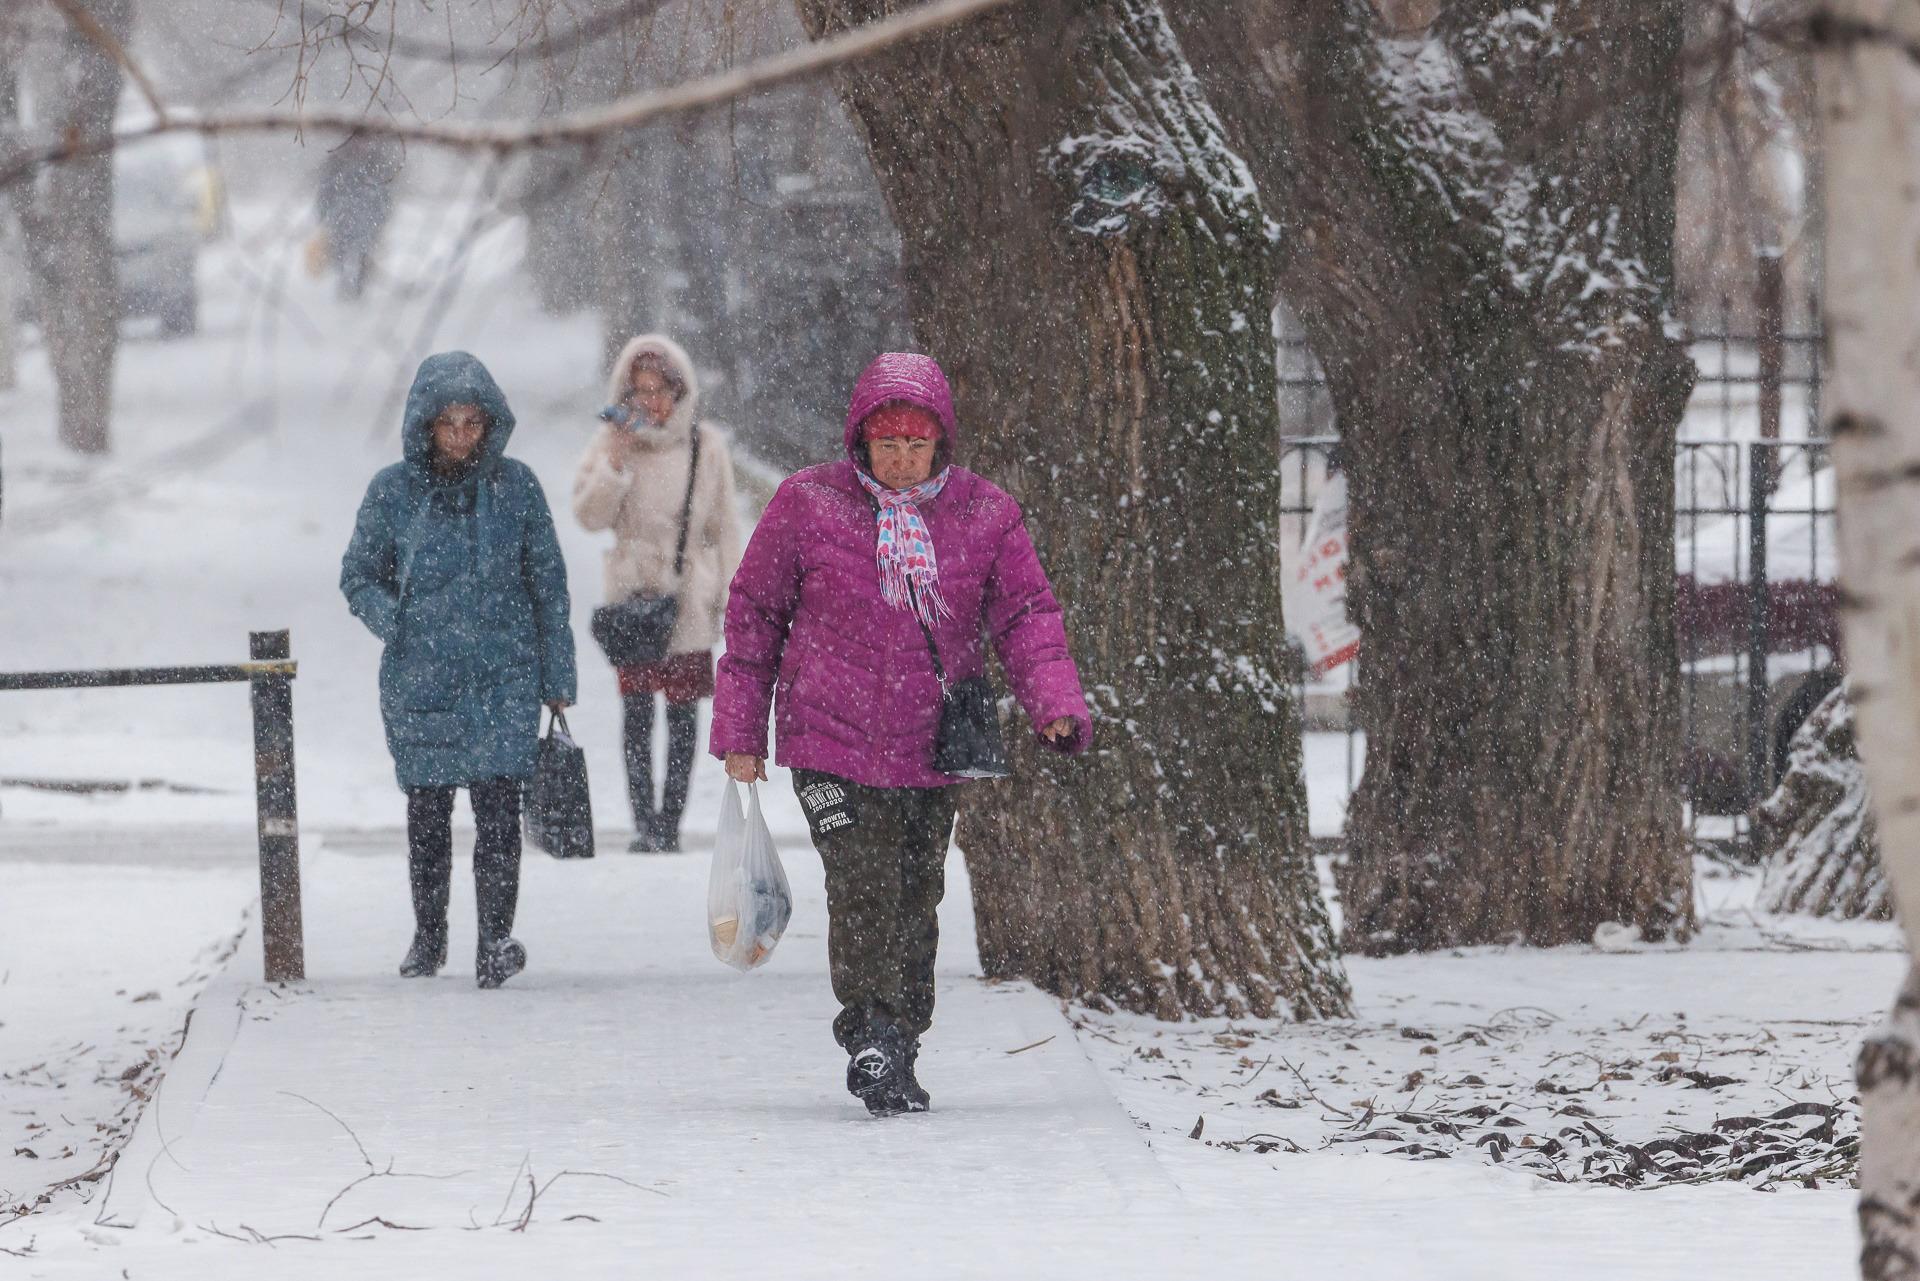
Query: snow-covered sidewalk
x,y
627,1095
628,1103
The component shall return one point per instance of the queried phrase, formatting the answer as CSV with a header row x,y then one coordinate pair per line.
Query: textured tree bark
x,y
66,215
10,295
1477,228
1089,261
1869,96
12,263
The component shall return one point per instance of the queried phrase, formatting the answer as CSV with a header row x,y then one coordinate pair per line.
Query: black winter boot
x,y
498,961
875,1074
425,957
910,1089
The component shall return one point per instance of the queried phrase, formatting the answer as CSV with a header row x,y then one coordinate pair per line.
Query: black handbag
x,y
639,629
969,744
558,806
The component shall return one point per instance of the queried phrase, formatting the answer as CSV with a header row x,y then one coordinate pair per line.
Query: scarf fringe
x,y
917,590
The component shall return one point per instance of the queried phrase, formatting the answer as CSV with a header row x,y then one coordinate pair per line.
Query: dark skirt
x,y
683,678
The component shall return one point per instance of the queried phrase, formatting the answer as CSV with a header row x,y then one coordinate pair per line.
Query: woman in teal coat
x,y
455,567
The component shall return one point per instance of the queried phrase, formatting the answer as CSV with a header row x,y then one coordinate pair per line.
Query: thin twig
x,y
89,26
512,1183
595,1174
337,1121
583,126
533,1195
376,1219
1311,1093
1265,1064
1036,1045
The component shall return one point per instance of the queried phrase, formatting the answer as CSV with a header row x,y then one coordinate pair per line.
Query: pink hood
x,y
902,376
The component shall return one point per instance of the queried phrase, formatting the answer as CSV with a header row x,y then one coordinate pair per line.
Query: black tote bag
x,y
558,806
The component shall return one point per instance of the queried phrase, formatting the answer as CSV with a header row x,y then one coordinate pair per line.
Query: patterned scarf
x,y
909,576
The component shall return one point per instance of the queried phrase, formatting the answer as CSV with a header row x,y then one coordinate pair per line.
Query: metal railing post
x,y
282,934
1770,299
1763,475
1760,472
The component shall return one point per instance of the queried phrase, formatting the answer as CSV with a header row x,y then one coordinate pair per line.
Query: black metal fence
x,y
1755,566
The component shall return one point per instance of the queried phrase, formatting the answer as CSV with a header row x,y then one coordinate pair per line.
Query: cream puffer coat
x,y
641,503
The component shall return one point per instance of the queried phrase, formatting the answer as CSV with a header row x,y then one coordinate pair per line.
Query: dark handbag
x,y
558,807
639,629
969,744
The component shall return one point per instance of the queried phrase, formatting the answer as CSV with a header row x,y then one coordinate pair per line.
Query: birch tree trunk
x,y
1476,207
1088,260
1870,106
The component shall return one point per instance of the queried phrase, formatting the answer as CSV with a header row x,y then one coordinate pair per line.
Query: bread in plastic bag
x,y
748,899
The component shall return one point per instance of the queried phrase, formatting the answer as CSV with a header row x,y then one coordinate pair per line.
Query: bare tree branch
x,y
586,31
89,26
573,127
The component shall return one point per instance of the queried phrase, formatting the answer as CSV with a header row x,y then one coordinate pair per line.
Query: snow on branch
x,y
1156,141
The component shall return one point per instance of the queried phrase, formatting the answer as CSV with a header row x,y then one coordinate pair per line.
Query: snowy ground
x,y
693,1119
99,966
1726,1061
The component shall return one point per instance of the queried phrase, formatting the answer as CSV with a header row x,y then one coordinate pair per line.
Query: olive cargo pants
x,y
885,852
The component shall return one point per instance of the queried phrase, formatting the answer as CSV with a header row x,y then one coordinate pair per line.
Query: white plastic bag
x,y
748,899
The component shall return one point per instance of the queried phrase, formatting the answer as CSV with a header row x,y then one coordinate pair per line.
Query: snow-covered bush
x,y
1816,834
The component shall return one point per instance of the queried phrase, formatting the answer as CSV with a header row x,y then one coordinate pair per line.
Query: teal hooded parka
x,y
461,577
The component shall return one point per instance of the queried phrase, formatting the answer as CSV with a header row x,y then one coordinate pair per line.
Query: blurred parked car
x,y
1714,617
168,202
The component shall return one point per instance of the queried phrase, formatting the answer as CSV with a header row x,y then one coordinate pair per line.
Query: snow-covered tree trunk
x,y
1089,261
66,214
1870,104
1816,832
1476,203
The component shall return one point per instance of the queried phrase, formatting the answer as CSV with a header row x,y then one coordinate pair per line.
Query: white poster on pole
x,y
1315,595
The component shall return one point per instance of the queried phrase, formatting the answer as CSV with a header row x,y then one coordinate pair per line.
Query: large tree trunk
x,y
66,213
1477,223
1088,260
1870,99
11,292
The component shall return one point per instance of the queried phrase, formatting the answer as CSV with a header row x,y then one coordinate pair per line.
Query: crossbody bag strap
x,y
939,669
686,508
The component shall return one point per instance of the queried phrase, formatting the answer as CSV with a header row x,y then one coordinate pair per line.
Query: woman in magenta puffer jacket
x,y
851,566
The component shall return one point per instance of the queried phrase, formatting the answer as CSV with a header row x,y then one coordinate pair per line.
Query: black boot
x,y
637,748
430,870
425,957
910,1089
496,880
498,961
875,1074
683,724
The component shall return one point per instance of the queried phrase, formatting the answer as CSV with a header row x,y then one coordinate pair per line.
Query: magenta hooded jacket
x,y
848,676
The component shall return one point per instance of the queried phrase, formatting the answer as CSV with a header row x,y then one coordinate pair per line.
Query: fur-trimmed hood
x,y
686,413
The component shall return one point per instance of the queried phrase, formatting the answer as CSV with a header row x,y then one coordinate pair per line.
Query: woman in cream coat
x,y
634,481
